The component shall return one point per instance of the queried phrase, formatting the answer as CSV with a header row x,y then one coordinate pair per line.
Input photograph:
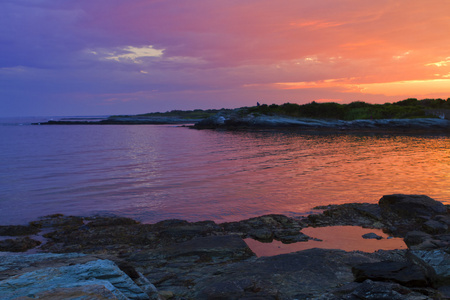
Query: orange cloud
x,y
317,24
416,88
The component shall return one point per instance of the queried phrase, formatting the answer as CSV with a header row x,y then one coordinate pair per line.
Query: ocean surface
x,y
157,172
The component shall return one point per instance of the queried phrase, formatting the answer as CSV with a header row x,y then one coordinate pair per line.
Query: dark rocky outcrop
x,y
404,273
241,119
21,244
411,206
205,260
17,230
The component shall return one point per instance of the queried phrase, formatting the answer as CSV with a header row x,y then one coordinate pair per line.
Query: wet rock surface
x,y
205,260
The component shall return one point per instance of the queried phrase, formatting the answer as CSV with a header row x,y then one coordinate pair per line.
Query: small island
x,y
113,257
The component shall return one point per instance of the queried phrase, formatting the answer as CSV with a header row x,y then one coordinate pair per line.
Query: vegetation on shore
x,y
196,114
405,109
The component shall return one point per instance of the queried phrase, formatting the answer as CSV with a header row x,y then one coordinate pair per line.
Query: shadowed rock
x,y
404,273
18,230
411,206
18,245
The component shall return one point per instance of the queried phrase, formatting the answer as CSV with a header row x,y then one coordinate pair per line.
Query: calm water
x,y
153,173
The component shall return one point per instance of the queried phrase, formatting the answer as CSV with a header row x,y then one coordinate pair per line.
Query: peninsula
x,y
409,114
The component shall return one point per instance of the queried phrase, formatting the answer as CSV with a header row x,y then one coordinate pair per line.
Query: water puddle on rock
x,y
348,238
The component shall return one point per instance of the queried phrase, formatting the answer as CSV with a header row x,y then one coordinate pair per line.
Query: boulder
x,y
435,227
372,235
98,276
438,260
403,273
411,206
413,238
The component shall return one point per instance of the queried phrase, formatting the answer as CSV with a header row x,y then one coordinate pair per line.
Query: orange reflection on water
x,y
348,238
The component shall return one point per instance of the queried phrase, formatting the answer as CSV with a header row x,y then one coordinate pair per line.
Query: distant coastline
x,y
409,114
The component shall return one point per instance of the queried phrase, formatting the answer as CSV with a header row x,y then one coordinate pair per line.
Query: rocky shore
x,y
71,257
235,121
122,120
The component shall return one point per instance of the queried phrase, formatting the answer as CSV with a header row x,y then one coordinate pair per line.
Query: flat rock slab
x,y
439,261
227,245
404,273
297,275
11,265
79,275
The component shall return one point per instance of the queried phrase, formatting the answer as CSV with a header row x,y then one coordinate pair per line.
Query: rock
x,y
227,246
373,290
408,206
416,237
263,235
404,273
266,228
88,291
356,214
18,245
166,295
86,275
435,227
443,219
12,265
372,235
445,291
385,290
438,260
238,289
289,239
57,220
110,221
301,275
17,230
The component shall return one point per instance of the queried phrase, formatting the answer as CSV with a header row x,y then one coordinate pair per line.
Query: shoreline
x,y
263,122
177,259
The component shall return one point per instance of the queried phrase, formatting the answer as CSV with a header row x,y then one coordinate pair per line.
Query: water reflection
x,y
348,238
158,172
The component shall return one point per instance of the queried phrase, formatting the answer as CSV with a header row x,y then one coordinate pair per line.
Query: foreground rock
x,y
70,276
204,260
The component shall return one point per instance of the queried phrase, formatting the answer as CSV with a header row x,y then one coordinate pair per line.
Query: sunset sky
x,y
100,57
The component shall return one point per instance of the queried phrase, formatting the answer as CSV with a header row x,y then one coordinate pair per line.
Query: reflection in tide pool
x,y
348,238
153,173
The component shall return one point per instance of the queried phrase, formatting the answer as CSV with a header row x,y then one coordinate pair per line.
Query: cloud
x,y
134,54
183,53
439,87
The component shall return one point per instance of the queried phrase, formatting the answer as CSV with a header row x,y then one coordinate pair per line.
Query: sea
x,y
157,172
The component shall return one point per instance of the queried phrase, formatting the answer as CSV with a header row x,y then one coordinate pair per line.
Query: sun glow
x,y
412,87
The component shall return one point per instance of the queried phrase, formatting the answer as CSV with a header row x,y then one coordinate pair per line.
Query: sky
x,y
102,57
